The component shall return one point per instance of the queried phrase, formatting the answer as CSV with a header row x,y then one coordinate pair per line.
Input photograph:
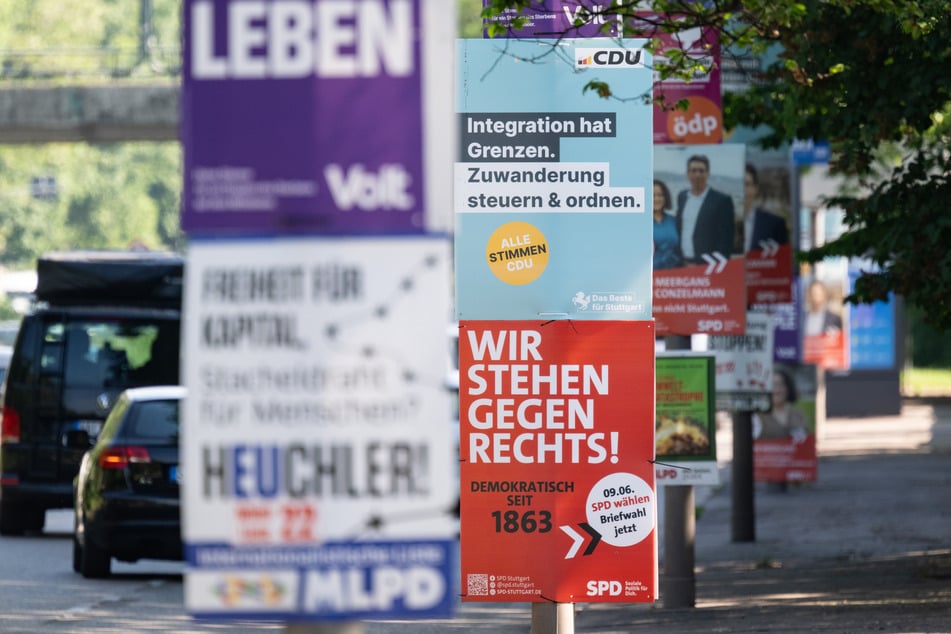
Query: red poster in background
x,y
785,460
706,298
769,274
827,350
558,500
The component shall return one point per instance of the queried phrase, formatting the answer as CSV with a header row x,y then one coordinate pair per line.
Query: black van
x,y
102,321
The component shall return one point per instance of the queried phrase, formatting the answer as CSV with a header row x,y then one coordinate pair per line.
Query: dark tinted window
x,y
153,421
120,352
24,365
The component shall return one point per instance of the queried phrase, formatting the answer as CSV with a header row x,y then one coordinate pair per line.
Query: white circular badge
x,y
621,508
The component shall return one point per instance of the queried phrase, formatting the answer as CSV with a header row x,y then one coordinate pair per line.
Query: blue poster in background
x,y
871,332
552,187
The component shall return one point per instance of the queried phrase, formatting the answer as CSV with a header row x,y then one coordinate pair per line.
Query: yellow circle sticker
x,y
517,253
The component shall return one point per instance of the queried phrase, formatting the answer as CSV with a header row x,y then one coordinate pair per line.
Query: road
x,y
39,592
880,571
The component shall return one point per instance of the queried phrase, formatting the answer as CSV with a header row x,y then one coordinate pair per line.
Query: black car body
x,y
102,322
126,498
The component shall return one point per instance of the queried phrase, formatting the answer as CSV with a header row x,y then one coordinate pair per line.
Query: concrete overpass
x,y
109,113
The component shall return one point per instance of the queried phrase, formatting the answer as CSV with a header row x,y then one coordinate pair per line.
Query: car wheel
x,y
11,518
77,555
94,562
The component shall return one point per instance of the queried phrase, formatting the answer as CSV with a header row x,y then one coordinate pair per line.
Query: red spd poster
x,y
769,273
556,446
707,299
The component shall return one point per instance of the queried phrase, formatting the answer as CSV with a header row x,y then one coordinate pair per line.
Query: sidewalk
x,y
866,548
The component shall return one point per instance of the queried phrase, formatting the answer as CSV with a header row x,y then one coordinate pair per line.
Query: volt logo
x,y
608,58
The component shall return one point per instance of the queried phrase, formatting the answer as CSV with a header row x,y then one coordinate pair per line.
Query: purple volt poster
x,y
308,116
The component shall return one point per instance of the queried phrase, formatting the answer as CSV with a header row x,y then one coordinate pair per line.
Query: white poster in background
x,y
317,433
744,365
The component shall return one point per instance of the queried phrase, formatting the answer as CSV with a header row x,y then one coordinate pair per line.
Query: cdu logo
x,y
608,58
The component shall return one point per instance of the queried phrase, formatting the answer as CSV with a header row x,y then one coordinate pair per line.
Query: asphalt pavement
x,y
865,548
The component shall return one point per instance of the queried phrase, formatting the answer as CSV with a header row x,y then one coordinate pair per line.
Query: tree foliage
x,y
107,196
52,39
871,77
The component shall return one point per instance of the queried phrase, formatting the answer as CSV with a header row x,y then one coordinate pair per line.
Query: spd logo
x,y
604,587
608,58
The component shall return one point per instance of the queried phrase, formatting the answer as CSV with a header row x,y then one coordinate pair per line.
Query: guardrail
x,y
24,65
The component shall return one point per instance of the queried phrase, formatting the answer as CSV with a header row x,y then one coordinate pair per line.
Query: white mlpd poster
x,y
317,443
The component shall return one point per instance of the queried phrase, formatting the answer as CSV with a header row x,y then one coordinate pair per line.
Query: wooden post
x,y
553,618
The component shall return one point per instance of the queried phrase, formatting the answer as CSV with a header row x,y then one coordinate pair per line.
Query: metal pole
x,y
678,583
553,618
744,515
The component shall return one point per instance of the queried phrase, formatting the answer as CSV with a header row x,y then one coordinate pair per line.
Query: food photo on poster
x,y
686,419
557,447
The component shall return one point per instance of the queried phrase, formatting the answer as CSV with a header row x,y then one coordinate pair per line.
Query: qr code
x,y
477,585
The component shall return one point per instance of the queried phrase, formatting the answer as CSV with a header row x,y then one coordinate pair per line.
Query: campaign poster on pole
x,y
558,19
786,338
317,432
767,220
551,188
744,365
702,121
317,117
699,265
558,501
872,331
784,437
686,429
825,340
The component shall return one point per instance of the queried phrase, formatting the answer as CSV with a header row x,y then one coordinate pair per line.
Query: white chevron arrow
x,y
770,248
576,537
715,261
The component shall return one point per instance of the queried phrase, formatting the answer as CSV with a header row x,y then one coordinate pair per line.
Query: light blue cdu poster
x,y
553,184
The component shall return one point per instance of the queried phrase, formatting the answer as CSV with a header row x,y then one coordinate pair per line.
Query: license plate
x,y
91,427
175,474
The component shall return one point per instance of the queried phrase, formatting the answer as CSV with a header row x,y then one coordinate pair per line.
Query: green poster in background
x,y
686,419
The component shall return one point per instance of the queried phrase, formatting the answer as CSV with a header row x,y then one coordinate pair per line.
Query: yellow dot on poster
x,y
517,253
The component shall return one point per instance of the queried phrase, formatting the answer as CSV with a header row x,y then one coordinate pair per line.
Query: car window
x,y
121,352
153,421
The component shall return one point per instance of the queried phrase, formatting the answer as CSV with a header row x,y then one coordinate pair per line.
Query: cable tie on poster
x,y
377,522
672,466
551,321
555,317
